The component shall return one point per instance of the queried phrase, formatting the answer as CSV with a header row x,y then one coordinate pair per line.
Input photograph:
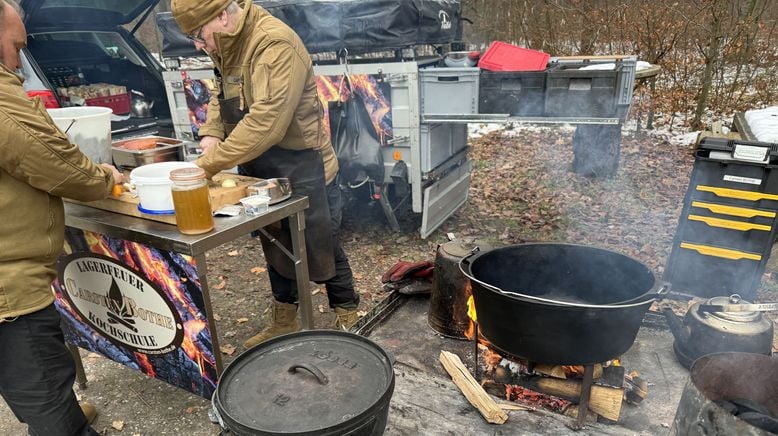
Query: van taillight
x,y
47,97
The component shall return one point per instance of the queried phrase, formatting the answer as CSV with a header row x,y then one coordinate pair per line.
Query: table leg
x,y
80,374
297,229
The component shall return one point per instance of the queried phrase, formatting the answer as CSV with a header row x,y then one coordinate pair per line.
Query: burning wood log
x,y
604,401
471,389
566,371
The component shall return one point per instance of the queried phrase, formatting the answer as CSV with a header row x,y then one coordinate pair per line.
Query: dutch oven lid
x,y
304,382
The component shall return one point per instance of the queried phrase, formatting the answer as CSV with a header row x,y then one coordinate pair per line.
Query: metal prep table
x,y
157,237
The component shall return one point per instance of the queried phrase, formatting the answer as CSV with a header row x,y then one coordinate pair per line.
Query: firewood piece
x,y
471,389
604,401
636,388
561,371
508,406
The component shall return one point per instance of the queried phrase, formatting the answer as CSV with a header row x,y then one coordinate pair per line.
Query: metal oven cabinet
x,y
428,162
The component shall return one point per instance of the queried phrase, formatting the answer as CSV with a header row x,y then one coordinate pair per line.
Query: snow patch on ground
x,y
513,129
677,136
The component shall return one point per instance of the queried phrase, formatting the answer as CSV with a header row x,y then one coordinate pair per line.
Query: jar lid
x,y
187,174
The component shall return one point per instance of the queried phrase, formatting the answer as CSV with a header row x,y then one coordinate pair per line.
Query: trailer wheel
x,y
596,150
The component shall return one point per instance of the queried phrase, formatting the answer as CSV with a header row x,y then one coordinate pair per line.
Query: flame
x,y
470,332
145,364
191,329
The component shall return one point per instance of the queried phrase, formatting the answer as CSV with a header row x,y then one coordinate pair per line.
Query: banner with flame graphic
x,y
136,305
374,93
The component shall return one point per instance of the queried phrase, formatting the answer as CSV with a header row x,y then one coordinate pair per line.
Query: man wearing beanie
x,y
267,119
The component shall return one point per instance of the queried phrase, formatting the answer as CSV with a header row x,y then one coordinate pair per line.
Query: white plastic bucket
x,y
89,127
152,183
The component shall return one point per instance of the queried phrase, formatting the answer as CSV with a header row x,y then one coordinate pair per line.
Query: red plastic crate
x,y
119,103
501,56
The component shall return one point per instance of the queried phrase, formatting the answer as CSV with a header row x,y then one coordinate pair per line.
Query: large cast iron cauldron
x,y
318,382
560,303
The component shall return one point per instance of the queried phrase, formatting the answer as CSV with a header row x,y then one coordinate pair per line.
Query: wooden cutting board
x,y
127,203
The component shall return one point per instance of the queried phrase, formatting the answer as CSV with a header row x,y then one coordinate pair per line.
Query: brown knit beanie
x,y
193,14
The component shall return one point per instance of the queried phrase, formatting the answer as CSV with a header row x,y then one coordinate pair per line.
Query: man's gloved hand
x,y
404,270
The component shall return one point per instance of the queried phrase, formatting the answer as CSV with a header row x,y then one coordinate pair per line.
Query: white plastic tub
x,y
152,184
89,127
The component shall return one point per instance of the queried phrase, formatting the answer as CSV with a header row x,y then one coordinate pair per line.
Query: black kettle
x,y
721,324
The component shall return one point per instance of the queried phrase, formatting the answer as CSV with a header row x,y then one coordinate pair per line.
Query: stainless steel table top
x,y
166,237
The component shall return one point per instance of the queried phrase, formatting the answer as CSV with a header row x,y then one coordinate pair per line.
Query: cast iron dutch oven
x,y
562,304
318,382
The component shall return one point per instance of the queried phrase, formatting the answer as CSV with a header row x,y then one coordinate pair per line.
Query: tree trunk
x,y
711,59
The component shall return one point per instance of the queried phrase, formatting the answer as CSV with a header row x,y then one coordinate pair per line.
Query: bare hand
x,y
207,142
118,177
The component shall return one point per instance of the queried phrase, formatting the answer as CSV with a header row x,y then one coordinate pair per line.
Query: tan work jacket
x,y
278,90
38,166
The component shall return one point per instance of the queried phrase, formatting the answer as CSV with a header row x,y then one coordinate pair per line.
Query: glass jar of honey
x,y
191,201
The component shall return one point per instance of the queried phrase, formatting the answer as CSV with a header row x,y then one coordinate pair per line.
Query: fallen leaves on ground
x,y
228,349
117,425
222,283
242,320
233,253
258,270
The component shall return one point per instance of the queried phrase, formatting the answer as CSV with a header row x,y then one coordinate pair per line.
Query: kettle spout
x,y
679,331
151,104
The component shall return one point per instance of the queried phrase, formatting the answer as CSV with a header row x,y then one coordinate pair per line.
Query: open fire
x,y
556,388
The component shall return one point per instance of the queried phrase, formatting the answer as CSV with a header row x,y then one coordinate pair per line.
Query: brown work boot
x,y
89,411
345,318
284,321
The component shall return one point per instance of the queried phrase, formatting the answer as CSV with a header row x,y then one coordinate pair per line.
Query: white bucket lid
x,y
156,173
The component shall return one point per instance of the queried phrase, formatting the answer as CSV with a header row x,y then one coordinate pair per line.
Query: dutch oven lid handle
x,y
312,369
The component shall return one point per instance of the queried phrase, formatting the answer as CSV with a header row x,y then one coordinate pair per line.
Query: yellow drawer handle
x,y
720,252
732,210
729,224
737,193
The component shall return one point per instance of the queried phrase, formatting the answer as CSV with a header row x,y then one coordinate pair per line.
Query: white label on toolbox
x,y
751,153
738,179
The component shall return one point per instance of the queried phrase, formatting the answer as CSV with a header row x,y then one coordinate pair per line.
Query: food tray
x,y
164,150
277,189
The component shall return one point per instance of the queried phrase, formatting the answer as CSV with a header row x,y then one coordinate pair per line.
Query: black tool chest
x,y
729,220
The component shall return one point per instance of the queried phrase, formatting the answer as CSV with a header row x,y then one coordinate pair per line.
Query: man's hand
x,y
118,178
207,142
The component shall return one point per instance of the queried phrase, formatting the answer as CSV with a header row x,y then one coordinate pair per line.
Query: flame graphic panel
x,y
191,365
375,94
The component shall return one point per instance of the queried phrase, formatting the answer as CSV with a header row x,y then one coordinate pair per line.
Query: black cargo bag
x,y
356,142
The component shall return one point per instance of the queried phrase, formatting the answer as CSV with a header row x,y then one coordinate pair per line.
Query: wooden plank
x,y
471,389
127,203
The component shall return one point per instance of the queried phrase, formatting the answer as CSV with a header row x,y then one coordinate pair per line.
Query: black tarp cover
x,y
360,26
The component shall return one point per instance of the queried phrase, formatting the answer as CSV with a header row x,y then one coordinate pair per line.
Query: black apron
x,y
305,171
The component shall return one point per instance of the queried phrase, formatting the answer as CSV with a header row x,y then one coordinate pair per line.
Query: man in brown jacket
x,y
38,166
267,119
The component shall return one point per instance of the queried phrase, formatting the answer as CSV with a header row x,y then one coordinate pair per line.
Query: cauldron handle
x,y
312,369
